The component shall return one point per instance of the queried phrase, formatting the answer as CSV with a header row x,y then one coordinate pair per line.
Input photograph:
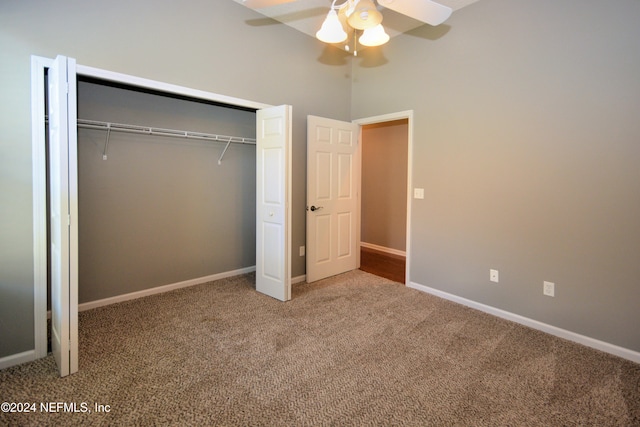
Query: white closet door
x,y
333,175
273,204
63,193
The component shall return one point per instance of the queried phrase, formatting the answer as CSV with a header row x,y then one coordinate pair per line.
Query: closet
x,y
119,215
166,189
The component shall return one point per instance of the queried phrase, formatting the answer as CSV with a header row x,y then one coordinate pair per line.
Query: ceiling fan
x,y
352,17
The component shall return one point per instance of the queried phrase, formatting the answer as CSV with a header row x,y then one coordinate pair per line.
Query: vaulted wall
x,y
527,142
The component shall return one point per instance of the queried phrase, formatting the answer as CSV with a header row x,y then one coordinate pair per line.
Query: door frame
x,y
408,115
39,173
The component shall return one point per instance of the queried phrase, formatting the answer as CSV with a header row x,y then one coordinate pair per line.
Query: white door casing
x,y
63,212
332,197
408,115
273,204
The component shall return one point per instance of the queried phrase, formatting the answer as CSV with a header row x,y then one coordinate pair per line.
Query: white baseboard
x,y
28,356
166,288
161,289
383,249
625,353
17,359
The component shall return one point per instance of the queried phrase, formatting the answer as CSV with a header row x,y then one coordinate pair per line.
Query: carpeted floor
x,y
355,349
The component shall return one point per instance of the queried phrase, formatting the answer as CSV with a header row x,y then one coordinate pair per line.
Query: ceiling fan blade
x,y
258,4
426,11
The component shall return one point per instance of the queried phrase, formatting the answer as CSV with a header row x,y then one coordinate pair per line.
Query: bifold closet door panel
x,y
160,210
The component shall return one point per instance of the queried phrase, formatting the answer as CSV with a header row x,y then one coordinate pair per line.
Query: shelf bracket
x,y
224,151
106,142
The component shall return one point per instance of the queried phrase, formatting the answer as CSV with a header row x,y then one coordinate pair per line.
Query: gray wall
x,y
216,46
160,210
526,136
384,184
527,142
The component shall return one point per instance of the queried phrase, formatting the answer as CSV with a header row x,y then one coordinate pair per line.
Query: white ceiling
x,y
307,15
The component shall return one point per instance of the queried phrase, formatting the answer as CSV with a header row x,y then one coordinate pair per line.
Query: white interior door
x,y
63,193
332,197
273,204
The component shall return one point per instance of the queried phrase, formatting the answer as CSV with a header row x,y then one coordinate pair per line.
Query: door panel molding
x,y
332,197
273,204
63,184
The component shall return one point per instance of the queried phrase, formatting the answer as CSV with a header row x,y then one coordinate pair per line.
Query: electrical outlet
x,y
548,288
493,275
302,250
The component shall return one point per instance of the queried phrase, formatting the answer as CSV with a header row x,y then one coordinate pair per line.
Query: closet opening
x,y
155,208
162,179
166,191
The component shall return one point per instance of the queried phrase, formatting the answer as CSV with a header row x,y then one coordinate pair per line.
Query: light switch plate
x,y
418,193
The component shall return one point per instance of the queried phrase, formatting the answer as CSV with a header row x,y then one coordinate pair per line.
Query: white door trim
x,y
166,87
39,174
408,114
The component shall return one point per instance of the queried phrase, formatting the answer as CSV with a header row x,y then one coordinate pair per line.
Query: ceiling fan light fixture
x,y
375,36
365,15
331,30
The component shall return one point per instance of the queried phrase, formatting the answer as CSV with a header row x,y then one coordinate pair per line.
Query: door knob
x,y
315,208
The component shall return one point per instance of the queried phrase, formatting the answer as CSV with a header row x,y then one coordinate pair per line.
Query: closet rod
x,y
119,127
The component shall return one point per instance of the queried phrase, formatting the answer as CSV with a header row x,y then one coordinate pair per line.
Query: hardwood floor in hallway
x,y
389,266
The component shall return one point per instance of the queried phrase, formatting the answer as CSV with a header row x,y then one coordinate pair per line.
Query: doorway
x,y
334,189
386,145
384,207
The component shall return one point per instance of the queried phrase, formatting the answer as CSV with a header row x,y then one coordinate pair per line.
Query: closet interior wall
x,y
161,210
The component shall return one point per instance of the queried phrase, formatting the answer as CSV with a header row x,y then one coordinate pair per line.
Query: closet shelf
x,y
146,130
119,127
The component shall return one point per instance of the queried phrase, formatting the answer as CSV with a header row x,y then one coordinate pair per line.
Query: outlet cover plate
x,y
493,275
548,288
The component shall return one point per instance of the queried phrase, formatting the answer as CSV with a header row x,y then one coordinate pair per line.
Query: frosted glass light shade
x,y
375,36
331,30
365,15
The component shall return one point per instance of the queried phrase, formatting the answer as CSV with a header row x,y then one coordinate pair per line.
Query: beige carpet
x,y
351,350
